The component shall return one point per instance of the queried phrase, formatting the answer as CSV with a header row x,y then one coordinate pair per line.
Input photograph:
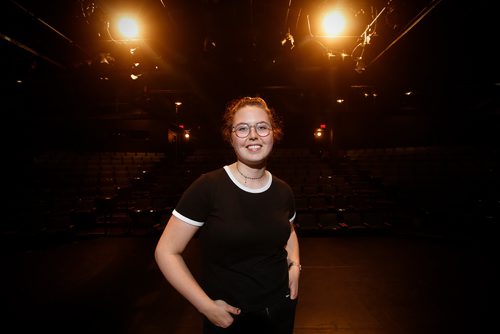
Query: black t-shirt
x,y
243,236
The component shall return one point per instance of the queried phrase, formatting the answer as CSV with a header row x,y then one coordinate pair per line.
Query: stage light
x,y
333,23
128,27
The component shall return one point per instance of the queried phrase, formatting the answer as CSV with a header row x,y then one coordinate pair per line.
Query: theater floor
x,y
365,284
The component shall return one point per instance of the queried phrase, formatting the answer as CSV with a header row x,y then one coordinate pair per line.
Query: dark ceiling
x,y
216,49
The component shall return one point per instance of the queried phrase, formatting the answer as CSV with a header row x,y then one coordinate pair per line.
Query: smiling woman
x,y
244,216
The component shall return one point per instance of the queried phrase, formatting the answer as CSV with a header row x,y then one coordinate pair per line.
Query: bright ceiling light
x,y
128,27
333,23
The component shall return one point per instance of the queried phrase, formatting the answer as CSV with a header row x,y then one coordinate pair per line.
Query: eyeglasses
x,y
242,130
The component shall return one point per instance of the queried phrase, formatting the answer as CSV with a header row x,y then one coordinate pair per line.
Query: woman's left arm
x,y
294,267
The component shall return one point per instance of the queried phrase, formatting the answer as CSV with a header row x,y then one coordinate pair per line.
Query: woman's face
x,y
254,148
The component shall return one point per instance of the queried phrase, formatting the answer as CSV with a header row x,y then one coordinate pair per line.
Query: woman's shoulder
x,y
214,173
206,181
211,175
281,183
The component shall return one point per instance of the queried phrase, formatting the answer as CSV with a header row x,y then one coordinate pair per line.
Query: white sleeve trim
x,y
186,219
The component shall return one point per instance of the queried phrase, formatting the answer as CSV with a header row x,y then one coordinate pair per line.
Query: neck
x,y
246,177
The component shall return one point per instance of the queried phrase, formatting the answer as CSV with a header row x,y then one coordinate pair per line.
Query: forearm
x,y
177,273
292,248
294,266
168,255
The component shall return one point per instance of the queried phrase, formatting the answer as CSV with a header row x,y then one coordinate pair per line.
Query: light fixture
x,y
177,105
128,27
333,23
288,39
360,65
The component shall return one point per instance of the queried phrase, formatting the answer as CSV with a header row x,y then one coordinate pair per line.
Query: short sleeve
x,y
194,205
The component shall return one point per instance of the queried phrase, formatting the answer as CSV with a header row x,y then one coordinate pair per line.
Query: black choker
x,y
248,177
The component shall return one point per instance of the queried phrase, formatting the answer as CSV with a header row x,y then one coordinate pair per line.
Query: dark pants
x,y
276,319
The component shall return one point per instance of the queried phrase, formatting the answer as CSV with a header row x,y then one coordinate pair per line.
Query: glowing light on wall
x,y
318,133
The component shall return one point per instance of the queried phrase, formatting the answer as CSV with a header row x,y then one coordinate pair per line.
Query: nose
x,y
253,132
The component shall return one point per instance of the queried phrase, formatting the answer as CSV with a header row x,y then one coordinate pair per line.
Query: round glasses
x,y
242,130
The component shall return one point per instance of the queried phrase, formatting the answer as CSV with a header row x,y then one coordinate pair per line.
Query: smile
x,y
253,147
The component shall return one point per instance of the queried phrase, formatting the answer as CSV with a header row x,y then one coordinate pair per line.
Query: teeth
x,y
253,146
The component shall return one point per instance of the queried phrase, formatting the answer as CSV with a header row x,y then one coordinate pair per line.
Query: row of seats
x,y
455,188
325,221
436,168
77,191
348,194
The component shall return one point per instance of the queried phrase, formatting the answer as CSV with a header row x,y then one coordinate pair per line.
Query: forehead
x,y
251,114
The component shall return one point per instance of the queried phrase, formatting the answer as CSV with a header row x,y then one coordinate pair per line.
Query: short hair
x,y
236,104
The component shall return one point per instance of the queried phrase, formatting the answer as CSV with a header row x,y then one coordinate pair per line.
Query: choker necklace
x,y
248,177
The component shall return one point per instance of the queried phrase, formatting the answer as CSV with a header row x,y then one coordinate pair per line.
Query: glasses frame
x,y
268,127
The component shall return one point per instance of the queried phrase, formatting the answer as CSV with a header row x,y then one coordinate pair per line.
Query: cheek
x,y
234,142
269,140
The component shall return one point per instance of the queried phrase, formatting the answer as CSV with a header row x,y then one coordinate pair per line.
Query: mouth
x,y
253,147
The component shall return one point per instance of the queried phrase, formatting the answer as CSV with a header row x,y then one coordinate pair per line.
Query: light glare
x,y
128,27
333,23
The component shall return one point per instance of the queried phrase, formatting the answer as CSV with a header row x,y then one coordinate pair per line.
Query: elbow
x,y
157,253
163,253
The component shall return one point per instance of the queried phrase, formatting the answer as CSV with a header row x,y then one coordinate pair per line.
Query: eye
x,y
242,128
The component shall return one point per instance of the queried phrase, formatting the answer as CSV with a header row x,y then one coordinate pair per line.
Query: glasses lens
x,y
243,130
262,129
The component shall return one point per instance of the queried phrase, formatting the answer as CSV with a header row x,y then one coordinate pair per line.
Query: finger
x,y
233,310
225,323
228,308
223,319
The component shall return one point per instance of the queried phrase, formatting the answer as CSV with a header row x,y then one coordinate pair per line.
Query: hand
x,y
220,314
293,281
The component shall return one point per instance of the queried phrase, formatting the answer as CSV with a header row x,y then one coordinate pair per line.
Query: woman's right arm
x,y
168,255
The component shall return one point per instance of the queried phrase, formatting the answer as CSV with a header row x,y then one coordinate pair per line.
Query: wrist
x,y
294,264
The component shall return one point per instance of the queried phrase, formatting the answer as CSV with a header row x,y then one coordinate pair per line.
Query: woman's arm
x,y
294,267
168,255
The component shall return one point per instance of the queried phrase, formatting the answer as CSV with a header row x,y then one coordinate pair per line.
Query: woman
x,y
251,265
